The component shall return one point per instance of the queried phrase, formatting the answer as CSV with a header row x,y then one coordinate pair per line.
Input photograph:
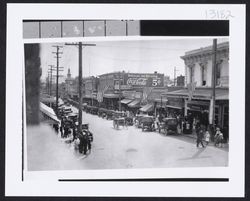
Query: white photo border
x,y
39,184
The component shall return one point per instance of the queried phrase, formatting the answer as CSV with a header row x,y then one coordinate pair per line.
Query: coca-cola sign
x,y
144,80
137,81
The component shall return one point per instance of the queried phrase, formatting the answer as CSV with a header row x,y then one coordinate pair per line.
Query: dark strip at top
x,y
184,28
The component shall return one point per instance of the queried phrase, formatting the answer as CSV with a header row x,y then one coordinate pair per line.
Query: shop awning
x,y
161,100
222,97
111,95
126,101
200,93
135,103
174,107
147,108
48,111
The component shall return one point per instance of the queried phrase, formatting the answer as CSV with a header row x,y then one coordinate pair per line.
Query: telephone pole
x,y
80,45
119,91
57,71
51,69
48,84
213,80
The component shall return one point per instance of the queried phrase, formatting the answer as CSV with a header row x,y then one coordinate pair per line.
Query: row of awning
x,y
203,94
49,113
146,108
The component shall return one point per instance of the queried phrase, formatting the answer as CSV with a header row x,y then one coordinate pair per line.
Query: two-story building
x,y
197,94
90,85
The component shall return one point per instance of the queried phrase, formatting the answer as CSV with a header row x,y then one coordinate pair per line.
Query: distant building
x,y
90,90
166,80
69,84
180,81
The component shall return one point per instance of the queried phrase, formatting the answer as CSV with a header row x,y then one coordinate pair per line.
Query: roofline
x,y
207,49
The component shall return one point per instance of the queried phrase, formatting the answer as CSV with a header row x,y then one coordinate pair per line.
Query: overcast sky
x,y
132,56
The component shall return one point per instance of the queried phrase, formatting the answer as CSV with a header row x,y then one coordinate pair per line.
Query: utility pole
x,y
57,71
48,83
213,80
51,69
92,85
80,45
175,74
120,91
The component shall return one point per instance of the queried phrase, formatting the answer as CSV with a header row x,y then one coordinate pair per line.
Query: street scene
x,y
127,104
118,148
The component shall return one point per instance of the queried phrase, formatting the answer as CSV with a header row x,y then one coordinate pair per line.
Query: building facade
x,y
180,81
69,84
197,95
198,66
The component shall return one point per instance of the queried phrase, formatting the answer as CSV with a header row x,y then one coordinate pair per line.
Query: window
x,y
191,74
203,75
218,73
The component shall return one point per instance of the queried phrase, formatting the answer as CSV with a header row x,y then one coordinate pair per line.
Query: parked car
x,y
147,123
168,125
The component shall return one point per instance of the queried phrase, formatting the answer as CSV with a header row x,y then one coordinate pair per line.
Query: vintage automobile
x,y
102,112
129,121
168,125
147,123
109,115
84,126
137,121
94,110
88,109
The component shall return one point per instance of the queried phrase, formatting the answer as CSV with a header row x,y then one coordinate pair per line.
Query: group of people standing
x,y
81,139
203,134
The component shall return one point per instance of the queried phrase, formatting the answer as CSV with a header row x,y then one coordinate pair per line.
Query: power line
x,y
57,71
80,45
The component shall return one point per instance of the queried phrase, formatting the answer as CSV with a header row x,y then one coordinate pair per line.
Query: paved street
x,y
123,148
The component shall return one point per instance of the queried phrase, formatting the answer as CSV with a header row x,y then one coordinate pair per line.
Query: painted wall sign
x,y
142,80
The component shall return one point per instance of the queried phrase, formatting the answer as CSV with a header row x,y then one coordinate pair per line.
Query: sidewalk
x,y
225,146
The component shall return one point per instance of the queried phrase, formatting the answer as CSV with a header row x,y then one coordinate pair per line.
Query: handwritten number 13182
x,y
218,14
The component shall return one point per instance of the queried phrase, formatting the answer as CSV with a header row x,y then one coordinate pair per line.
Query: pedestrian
x,y
61,127
218,137
83,142
207,137
66,131
157,121
200,135
90,140
74,133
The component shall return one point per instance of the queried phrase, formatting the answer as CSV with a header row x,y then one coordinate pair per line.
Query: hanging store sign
x,y
144,80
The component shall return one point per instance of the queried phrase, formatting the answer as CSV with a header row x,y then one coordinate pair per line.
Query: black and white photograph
x,y
117,99
141,104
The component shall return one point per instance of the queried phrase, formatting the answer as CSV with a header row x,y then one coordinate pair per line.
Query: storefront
x,y
111,101
158,100
90,100
134,106
175,106
199,107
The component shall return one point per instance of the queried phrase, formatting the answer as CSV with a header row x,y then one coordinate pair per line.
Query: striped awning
x,y
174,107
147,108
111,95
49,112
135,103
126,101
